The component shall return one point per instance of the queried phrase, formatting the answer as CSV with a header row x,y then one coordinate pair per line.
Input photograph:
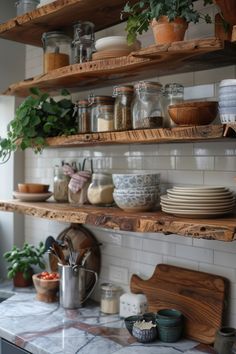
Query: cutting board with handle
x,y
199,296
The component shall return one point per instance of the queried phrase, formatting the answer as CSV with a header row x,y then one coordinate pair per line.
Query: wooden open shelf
x,y
222,229
147,136
153,61
61,15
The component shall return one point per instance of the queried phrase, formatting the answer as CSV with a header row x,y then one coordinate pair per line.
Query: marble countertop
x,y
43,328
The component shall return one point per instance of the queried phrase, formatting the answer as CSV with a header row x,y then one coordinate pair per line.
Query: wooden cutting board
x,y
199,296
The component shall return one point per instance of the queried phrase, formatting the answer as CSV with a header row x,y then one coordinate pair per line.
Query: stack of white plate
x,y
198,202
227,101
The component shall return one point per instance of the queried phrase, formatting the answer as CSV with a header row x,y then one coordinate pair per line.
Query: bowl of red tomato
x,y
47,286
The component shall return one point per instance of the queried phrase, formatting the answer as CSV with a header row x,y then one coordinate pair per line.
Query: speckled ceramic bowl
x,y
136,202
144,335
129,322
124,181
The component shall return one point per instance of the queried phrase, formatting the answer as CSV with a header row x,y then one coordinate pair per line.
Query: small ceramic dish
x,y
136,202
116,43
144,332
33,188
32,197
46,290
129,322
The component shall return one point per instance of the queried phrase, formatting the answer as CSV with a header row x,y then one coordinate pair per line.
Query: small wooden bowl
x,y
193,113
33,188
47,290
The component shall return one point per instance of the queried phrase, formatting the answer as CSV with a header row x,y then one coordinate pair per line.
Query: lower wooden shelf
x,y
222,229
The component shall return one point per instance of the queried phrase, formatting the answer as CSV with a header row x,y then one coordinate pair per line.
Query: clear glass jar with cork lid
x,y
122,108
56,46
110,298
102,113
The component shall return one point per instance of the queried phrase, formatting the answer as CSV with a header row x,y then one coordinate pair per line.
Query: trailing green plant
x,y
142,12
39,116
22,259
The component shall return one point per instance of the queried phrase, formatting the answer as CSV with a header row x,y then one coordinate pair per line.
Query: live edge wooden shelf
x,y
153,61
222,229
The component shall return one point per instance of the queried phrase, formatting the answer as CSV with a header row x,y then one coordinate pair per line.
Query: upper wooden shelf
x,y
222,229
61,15
156,60
148,136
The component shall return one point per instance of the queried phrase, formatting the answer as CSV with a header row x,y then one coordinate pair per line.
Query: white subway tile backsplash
x,y
199,92
214,148
214,75
179,262
185,177
194,253
159,163
160,247
226,163
194,163
217,178
225,259
118,274
228,273
176,149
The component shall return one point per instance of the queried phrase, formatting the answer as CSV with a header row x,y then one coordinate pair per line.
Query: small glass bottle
x,y
83,42
173,94
83,117
56,46
102,113
147,109
60,185
122,107
110,298
100,191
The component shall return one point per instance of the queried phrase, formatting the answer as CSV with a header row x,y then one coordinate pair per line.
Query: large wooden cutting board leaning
x,y
199,296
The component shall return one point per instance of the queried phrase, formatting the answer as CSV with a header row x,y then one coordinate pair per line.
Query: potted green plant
x,y
168,18
21,261
39,116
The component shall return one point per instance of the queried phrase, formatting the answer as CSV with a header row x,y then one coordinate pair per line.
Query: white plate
x,y
203,189
32,197
187,213
199,193
197,208
194,211
204,202
116,43
188,198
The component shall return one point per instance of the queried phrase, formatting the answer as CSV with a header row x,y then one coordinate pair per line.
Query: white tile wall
x,y
211,163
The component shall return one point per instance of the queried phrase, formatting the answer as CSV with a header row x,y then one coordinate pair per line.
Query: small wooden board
x,y
199,296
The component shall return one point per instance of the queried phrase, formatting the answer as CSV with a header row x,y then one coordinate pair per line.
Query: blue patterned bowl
x,y
144,335
129,322
136,202
124,181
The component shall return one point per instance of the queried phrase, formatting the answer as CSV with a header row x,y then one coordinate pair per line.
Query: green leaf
x,y
65,92
35,91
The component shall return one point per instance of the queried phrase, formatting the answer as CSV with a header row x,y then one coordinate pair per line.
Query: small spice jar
x,y
56,46
110,298
83,117
147,111
225,338
100,191
122,108
102,113
173,94
83,42
60,185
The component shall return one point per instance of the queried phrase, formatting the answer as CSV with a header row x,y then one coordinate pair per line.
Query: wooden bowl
x,y
46,290
32,188
193,113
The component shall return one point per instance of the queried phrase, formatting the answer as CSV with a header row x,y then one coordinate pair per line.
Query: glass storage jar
x,y
102,113
60,185
122,108
56,46
100,191
173,94
83,116
23,6
147,109
110,298
83,42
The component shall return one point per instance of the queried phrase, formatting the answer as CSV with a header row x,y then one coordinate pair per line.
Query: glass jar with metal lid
x,y
83,116
110,298
56,46
173,94
102,113
100,191
60,185
83,42
122,108
147,111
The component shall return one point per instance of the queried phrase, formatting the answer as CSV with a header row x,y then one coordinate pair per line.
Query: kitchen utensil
x,y
49,242
58,252
73,285
199,296
82,239
71,250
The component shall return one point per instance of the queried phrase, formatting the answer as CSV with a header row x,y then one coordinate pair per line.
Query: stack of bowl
x,y
169,324
136,192
227,101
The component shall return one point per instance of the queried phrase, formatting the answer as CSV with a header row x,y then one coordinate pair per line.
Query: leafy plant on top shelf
x,y
22,259
39,116
142,12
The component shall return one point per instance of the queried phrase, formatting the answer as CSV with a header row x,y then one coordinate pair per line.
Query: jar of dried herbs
x,y
122,108
147,111
83,117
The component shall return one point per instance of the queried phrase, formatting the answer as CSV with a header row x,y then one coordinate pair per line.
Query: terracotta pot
x,y
167,32
220,30
20,282
228,9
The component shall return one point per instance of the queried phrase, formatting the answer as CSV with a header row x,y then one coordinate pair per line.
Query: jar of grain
x,y
56,46
102,113
110,298
122,108
147,111
83,117
100,191
60,185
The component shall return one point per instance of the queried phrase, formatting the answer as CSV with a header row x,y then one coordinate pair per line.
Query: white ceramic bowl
x,y
115,43
137,202
227,103
228,82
